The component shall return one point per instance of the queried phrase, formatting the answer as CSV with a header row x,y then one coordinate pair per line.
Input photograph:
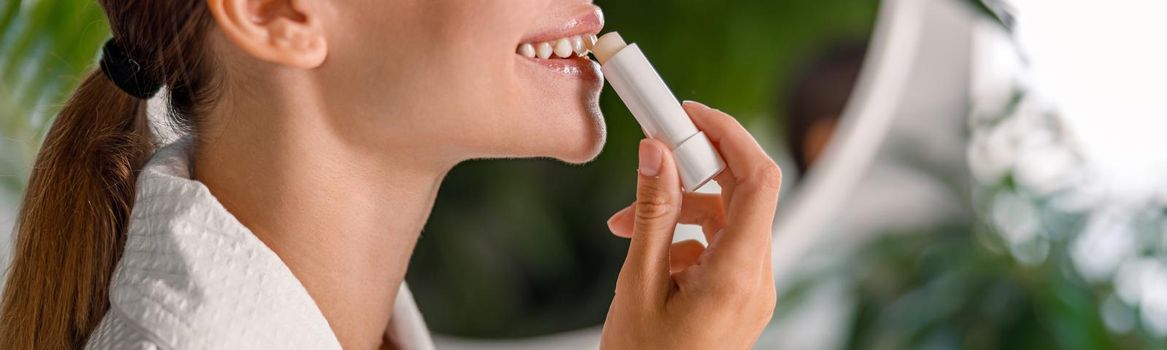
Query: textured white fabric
x,y
193,277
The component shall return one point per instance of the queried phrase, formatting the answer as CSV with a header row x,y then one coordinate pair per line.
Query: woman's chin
x,y
577,149
566,127
584,154
582,146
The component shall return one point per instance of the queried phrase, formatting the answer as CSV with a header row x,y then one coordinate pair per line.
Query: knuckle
x,y
652,209
652,203
769,176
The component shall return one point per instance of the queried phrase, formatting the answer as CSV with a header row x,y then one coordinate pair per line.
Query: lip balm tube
x,y
657,110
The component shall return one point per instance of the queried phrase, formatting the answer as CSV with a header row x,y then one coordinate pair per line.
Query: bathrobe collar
x,y
193,277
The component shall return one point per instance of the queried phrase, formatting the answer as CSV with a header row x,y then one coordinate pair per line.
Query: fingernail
x,y
617,218
618,215
624,211
695,103
650,159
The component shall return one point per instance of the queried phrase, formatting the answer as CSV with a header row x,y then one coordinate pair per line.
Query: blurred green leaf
x,y
45,48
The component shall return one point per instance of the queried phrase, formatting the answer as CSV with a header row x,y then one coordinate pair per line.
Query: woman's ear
x,y
286,32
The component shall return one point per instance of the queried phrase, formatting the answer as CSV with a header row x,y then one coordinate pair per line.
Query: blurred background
x,y
958,173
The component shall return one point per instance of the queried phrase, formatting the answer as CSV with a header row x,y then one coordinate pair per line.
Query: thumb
x,y
658,202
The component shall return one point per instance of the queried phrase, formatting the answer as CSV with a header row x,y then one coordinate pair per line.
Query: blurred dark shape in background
x,y
817,98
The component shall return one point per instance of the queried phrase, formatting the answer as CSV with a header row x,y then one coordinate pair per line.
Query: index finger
x,y
755,179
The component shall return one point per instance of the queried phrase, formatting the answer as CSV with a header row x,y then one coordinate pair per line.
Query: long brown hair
x,y
71,228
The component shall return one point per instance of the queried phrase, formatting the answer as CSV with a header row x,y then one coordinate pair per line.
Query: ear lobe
x,y
285,32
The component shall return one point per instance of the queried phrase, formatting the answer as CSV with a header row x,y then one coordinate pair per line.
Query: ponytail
x,y
71,228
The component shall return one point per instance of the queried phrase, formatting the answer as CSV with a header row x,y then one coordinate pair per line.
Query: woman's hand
x,y
682,295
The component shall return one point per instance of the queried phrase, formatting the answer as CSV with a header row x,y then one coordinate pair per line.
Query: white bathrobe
x,y
193,277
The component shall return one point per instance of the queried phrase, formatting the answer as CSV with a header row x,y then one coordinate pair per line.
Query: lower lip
x,y
574,67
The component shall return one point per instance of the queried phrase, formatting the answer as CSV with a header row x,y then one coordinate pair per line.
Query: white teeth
x,y
544,50
560,48
563,48
527,50
577,45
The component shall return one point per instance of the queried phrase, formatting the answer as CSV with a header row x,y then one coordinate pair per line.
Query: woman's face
x,y
445,75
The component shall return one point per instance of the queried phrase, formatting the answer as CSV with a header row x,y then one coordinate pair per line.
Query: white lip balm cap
x,y
657,110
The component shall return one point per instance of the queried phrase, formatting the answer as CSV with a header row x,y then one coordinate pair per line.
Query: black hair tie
x,y
127,73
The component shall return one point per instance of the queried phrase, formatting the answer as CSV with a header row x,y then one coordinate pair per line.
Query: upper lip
x,y
587,22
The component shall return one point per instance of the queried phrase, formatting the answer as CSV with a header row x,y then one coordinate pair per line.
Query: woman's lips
x,y
587,22
580,67
568,56
565,48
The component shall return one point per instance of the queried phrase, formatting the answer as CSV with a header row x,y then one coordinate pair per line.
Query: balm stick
x,y
657,110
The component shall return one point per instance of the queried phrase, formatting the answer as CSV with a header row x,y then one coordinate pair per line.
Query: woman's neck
x,y
345,220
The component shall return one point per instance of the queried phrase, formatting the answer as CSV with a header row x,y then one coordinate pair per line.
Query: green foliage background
x,y
45,46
